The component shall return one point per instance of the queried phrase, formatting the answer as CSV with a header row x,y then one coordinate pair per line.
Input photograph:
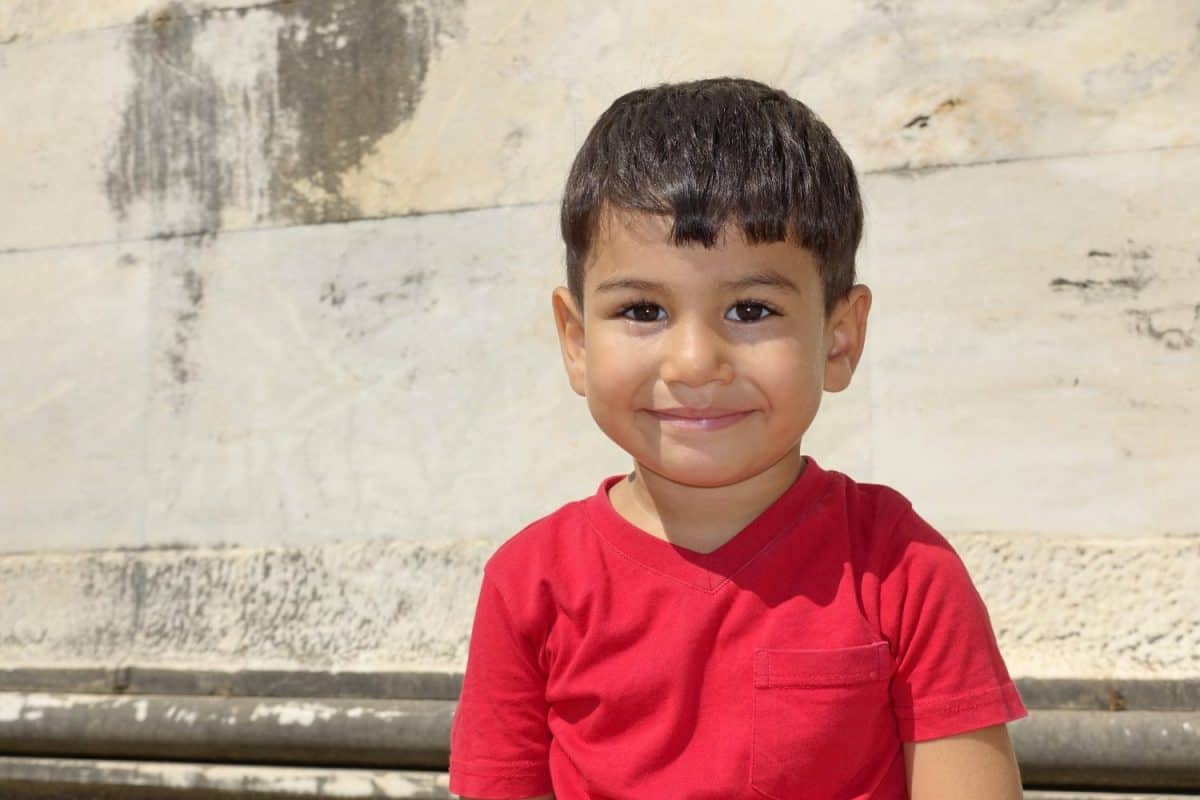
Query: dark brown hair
x,y
713,151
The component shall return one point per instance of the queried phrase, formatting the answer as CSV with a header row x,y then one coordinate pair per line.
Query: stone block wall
x,y
275,278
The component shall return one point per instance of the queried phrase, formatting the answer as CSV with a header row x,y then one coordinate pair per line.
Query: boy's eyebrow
x,y
636,284
769,278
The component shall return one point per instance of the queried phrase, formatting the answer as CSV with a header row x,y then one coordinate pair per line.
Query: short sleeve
x,y
949,675
499,738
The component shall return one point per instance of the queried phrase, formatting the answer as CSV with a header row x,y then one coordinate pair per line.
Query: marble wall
x,y
277,274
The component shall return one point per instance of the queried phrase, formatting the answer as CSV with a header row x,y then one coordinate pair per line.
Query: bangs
x,y
710,153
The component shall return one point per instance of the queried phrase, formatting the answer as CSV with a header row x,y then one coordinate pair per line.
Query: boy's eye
x,y
644,312
748,311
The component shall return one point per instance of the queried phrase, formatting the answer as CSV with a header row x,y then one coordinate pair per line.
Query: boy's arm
x,y
539,797
976,765
499,737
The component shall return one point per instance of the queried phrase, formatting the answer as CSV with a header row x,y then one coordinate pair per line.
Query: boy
x,y
729,620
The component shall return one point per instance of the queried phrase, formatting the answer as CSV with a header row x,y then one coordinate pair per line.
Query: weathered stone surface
x,y
1090,607
191,121
73,396
382,605
391,605
384,379
401,378
192,118
1036,343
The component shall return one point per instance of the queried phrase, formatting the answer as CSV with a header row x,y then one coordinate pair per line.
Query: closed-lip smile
x,y
699,418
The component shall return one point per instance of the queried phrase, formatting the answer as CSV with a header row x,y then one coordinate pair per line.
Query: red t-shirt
x,y
791,662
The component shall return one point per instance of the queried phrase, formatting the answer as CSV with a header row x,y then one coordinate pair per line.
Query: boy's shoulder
x,y
878,502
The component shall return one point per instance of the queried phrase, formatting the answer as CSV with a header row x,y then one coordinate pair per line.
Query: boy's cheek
x,y
612,374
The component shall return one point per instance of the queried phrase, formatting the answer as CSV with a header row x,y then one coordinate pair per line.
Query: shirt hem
x,y
935,720
490,784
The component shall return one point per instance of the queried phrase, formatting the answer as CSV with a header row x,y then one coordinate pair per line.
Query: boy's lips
x,y
706,419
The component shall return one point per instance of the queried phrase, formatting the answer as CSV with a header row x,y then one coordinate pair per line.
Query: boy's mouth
x,y
705,419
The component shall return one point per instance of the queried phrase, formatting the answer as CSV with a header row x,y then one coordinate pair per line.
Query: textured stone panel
x,y
1082,608
382,605
192,119
1035,346
73,396
1090,607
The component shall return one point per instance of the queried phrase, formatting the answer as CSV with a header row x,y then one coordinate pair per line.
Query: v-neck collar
x,y
706,571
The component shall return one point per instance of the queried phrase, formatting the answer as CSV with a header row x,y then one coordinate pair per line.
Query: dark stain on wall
x,y
168,143
169,155
347,73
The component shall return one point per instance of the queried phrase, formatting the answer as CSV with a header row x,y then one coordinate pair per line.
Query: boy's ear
x,y
846,333
569,321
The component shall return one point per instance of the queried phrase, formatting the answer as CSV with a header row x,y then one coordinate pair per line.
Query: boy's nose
x,y
696,355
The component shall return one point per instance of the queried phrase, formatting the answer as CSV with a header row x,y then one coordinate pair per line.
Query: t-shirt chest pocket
x,y
817,714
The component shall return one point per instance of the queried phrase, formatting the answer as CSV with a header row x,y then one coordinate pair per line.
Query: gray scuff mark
x,y
191,293
923,120
349,73
179,297
1176,328
365,308
333,294
1125,272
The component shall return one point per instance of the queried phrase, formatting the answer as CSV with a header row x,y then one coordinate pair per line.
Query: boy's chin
x,y
703,475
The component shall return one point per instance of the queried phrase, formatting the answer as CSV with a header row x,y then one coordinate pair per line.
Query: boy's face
x,y
706,365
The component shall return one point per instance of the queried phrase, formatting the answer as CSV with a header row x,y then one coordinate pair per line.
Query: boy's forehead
x,y
623,229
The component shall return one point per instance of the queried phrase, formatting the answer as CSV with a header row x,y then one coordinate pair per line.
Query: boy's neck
x,y
697,518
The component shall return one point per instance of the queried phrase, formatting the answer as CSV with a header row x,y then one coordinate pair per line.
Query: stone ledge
x,y
387,607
